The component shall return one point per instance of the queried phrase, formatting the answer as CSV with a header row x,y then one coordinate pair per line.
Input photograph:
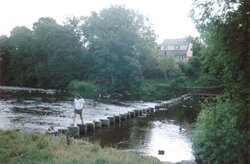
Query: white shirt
x,y
78,103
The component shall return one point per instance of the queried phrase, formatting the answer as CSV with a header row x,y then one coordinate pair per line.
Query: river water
x,y
167,131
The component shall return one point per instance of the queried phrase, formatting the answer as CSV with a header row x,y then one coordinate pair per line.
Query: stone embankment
x,y
76,131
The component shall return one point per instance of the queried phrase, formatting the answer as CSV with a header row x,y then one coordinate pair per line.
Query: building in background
x,y
181,49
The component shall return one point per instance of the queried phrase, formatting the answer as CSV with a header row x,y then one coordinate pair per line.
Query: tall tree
x,y
224,29
60,52
5,58
115,38
21,68
224,26
43,29
148,57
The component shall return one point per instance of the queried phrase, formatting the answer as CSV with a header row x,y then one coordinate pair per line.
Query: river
x,y
167,131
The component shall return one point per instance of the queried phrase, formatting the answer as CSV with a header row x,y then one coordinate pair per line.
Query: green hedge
x,y
86,89
216,136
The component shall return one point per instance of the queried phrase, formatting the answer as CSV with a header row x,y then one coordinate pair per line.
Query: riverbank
x,y
24,147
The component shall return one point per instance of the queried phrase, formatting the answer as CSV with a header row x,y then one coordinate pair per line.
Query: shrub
x,y
85,88
207,80
187,69
147,91
178,80
216,136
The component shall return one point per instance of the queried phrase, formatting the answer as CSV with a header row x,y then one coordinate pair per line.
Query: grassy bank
x,y
23,147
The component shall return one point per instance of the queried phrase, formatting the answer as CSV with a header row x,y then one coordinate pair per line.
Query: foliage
x,y
178,80
224,34
48,56
21,147
118,39
88,89
224,28
168,65
195,61
147,56
187,69
114,48
147,92
21,67
5,58
217,137
60,53
207,80
192,72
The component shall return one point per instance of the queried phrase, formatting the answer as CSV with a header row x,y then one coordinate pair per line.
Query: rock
x,y
74,132
161,152
63,130
98,124
82,128
105,122
51,128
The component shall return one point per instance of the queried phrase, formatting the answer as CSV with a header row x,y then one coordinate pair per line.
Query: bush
x,y
178,80
207,80
147,91
216,136
85,88
187,69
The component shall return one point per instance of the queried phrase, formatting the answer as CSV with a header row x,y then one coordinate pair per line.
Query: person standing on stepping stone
x,y
79,104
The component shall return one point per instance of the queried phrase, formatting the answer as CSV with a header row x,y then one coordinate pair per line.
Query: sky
x,y
169,18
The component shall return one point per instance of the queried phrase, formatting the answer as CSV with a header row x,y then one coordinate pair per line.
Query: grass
x,y
23,147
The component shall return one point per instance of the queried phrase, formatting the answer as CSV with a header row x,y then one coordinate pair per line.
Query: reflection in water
x,y
147,139
167,137
165,130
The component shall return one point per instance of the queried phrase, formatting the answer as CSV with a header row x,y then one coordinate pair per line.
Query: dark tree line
x,y
46,56
113,48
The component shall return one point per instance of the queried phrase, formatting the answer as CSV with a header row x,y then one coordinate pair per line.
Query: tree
x,y
21,69
115,38
5,58
148,58
60,53
43,30
224,27
168,65
195,61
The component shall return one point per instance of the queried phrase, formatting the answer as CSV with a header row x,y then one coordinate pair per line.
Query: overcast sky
x,y
169,17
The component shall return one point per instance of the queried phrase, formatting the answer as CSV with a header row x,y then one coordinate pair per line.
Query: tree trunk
x,y
166,75
247,101
112,79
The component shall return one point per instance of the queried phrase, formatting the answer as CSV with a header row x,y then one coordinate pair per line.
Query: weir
x,y
76,131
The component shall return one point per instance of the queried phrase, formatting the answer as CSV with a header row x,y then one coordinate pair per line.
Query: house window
x,y
182,58
177,47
